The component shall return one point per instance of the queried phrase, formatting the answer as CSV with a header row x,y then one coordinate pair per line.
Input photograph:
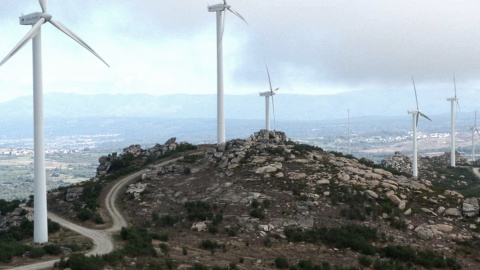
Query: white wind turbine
x,y
349,151
36,19
415,114
474,129
452,135
220,10
267,96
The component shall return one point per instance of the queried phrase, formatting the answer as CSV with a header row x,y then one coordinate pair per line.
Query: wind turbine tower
x,y
220,10
267,96
349,151
474,130
452,116
415,114
37,19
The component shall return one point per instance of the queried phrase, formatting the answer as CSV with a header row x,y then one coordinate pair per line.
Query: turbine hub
x,y
47,16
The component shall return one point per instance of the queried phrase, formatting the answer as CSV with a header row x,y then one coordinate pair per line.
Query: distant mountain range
x,y
287,106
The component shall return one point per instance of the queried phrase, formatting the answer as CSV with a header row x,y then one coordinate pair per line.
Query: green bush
x,y
10,249
113,257
209,244
53,249
281,262
84,214
168,220
257,213
79,261
138,242
182,147
53,226
37,252
255,203
198,266
305,264
198,210
162,237
356,237
7,207
231,231
164,248
212,229
303,149
365,261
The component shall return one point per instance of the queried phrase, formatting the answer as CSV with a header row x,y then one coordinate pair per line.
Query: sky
x,y
311,46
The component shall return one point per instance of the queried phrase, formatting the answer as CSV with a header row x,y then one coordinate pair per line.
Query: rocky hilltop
x,y
266,202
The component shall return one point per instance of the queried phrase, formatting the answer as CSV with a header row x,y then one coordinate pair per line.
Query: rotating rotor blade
x,y
237,14
424,116
24,40
455,86
223,30
416,119
273,107
269,81
69,33
43,4
415,89
477,131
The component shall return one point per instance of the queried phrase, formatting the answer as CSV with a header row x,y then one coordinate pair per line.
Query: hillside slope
x,y
266,202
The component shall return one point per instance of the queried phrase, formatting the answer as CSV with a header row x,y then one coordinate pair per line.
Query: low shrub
x,y
53,249
281,262
79,261
209,244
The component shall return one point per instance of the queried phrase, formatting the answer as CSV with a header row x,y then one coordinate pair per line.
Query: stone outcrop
x,y
14,218
470,207
73,194
399,162
105,166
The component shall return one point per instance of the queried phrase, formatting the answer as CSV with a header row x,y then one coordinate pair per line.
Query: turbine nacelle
x,y
268,93
33,18
218,7
414,112
452,99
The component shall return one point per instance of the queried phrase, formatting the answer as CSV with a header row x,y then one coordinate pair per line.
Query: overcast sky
x,y
311,46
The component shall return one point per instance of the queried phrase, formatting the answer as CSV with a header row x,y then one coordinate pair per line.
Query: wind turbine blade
x,y
30,34
455,85
416,120
415,89
223,30
269,81
424,116
43,4
237,14
477,131
69,33
273,107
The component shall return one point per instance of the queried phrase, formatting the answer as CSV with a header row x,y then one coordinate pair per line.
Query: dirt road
x,y
102,239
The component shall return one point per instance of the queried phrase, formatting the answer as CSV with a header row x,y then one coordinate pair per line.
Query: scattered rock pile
x,y
400,162
234,152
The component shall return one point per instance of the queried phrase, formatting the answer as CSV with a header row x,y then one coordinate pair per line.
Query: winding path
x,y
102,239
476,172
